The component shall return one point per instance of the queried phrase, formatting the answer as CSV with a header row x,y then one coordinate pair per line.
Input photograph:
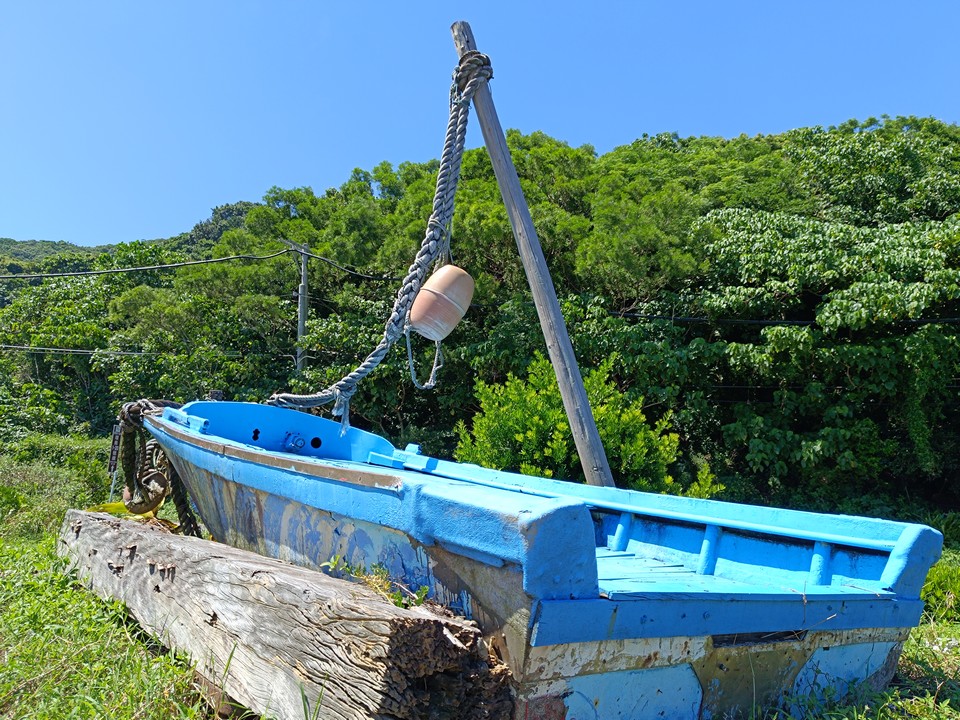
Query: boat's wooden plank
x,y
648,575
666,585
625,576
603,552
638,565
275,635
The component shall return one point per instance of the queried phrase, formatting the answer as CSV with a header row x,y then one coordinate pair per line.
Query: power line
x,y
769,323
345,269
87,273
680,319
704,320
187,263
99,351
708,321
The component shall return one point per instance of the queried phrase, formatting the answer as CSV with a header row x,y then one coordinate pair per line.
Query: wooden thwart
x,y
275,636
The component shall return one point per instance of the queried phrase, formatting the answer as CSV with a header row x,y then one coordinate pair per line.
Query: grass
x,y
66,654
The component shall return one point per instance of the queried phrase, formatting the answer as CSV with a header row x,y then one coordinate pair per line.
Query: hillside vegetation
x,y
772,318
33,250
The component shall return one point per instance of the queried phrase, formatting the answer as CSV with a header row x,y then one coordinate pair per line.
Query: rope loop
x,y
474,67
473,70
431,382
149,477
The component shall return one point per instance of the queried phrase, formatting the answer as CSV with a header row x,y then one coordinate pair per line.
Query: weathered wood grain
x,y
274,635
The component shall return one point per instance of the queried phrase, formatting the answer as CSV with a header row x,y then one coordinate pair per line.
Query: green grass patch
x,y
34,497
66,654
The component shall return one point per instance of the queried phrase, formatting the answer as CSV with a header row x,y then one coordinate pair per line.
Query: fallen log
x,y
285,641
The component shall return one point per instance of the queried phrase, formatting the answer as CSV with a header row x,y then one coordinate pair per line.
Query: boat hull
x,y
590,622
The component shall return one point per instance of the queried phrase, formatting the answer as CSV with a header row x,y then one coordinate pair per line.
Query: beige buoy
x,y
442,302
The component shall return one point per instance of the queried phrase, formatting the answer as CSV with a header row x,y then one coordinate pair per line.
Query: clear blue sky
x,y
126,120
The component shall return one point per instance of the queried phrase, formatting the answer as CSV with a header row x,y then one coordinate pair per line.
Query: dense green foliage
x,y
777,314
34,250
522,426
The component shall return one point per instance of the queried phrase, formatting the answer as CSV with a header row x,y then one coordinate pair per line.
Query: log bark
x,y
286,641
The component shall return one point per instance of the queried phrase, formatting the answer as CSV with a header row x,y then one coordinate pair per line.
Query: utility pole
x,y
302,307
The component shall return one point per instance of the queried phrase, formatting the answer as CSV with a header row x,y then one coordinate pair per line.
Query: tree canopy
x,y
770,318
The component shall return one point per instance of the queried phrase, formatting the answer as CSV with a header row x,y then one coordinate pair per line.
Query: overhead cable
x,y
97,351
187,263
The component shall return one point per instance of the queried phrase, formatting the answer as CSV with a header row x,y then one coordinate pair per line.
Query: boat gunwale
x,y
370,467
312,466
423,465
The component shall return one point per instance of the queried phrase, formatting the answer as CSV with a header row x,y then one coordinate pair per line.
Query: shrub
x,y
85,459
522,426
941,591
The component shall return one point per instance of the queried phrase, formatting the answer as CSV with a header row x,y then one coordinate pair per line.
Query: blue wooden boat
x,y
604,603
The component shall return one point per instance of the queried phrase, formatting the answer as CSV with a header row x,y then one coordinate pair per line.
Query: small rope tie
x,y
431,382
473,70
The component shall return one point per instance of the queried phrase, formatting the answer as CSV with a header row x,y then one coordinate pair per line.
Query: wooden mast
x,y
584,428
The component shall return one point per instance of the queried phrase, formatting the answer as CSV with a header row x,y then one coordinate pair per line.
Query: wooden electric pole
x,y
302,307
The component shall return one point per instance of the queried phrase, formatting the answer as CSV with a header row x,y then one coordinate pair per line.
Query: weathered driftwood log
x,y
280,638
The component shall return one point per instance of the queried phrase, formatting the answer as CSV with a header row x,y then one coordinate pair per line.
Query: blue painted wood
x,y
858,532
622,535
707,561
668,692
832,672
695,614
596,563
820,573
550,539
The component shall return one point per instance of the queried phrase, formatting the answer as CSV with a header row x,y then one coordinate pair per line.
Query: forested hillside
x,y
33,250
771,318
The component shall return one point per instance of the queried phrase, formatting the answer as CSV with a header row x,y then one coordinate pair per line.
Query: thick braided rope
x,y
148,474
474,70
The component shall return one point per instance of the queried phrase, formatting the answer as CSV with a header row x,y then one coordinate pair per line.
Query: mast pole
x,y
582,424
